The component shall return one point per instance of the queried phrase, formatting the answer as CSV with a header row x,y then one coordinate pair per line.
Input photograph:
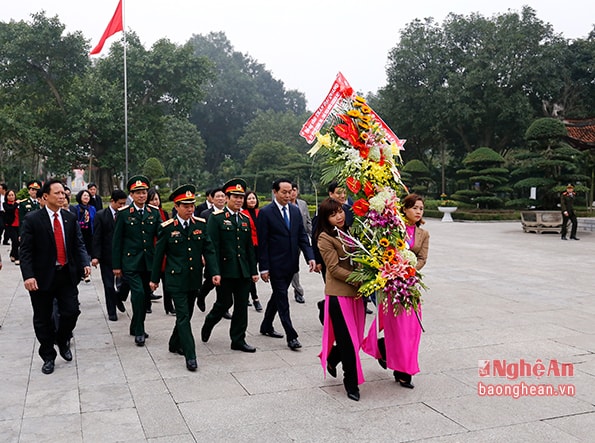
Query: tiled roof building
x,y
581,133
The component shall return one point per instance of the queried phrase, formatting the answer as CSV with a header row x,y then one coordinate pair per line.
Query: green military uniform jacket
x,y
232,242
183,250
133,244
26,206
566,202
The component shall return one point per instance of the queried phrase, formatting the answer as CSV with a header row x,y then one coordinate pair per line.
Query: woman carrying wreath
x,y
344,314
398,349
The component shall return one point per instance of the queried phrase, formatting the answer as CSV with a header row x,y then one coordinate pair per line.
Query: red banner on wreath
x,y
339,90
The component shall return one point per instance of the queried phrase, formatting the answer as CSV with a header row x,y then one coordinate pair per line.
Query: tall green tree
x,y
241,88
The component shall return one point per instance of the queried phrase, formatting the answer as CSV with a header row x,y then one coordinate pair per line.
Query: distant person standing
x,y
182,242
53,260
11,225
85,213
133,247
298,291
95,198
281,236
567,206
250,210
104,223
3,189
31,203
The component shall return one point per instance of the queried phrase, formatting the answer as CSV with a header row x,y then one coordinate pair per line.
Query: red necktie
x,y
59,237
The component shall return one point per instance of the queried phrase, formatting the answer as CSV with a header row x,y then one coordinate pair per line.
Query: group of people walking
x,y
138,248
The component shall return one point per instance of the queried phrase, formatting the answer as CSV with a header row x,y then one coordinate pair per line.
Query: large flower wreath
x,y
355,151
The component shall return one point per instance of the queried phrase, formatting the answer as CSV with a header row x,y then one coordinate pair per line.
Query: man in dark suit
x,y
234,268
95,199
207,204
281,236
183,241
53,261
133,247
104,223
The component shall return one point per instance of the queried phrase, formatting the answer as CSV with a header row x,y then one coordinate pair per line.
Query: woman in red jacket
x,y
11,224
250,208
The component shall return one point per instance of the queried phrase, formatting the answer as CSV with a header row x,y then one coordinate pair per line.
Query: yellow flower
x,y
363,125
366,109
400,244
354,113
322,140
384,242
359,101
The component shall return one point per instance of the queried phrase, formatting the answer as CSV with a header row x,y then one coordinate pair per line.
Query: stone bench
x,y
586,224
541,221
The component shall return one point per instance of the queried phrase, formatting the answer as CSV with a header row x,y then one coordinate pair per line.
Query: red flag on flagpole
x,y
115,25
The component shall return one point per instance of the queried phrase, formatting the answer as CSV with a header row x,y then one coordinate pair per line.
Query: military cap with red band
x,y
235,186
138,183
184,194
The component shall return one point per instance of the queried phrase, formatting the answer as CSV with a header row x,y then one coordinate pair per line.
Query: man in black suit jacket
x,y
53,261
281,236
103,225
95,199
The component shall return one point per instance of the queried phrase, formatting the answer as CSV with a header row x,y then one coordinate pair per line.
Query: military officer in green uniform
x,y
183,241
235,266
30,203
133,248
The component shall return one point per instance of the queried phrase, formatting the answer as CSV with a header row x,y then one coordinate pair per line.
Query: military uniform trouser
x,y
140,293
181,336
232,291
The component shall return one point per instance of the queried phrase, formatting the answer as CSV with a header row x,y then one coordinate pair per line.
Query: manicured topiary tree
x,y
547,163
483,179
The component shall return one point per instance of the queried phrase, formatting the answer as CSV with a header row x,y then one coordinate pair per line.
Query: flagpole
x,y
125,91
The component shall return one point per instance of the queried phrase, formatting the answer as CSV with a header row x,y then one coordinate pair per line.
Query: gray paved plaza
x,y
495,293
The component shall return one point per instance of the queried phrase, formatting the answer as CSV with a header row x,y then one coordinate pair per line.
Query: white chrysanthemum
x,y
410,256
378,202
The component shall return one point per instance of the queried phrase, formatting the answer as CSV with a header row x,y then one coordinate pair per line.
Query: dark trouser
x,y
344,351
232,291
13,234
181,336
140,294
207,285
109,288
42,302
279,303
122,288
565,218
1,224
297,287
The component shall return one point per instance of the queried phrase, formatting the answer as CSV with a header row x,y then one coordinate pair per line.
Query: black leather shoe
x,y
191,364
179,351
249,303
48,367
331,370
120,306
382,363
146,335
272,333
65,352
205,334
113,317
369,311
257,305
574,238
244,347
227,315
155,297
300,298
139,340
149,311
353,395
200,303
564,237
403,379
170,312
294,344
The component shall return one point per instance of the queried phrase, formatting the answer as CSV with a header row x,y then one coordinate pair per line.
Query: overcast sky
x,y
303,43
